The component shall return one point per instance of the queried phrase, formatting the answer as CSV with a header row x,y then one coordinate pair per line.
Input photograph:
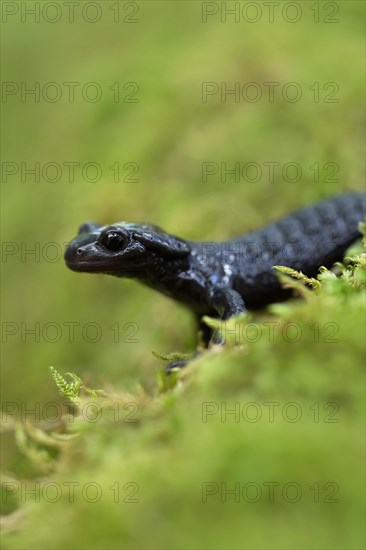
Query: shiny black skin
x,y
221,279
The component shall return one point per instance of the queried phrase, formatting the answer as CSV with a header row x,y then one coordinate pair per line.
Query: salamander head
x,y
122,249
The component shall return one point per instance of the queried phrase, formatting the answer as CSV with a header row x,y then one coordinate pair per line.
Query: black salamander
x,y
221,279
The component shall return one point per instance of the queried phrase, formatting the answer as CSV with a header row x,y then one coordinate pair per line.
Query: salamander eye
x,y
113,240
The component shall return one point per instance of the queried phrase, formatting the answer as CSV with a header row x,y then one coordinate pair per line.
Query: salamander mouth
x,y
85,267
104,267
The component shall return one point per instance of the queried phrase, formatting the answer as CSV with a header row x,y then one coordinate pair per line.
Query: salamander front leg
x,y
174,365
227,303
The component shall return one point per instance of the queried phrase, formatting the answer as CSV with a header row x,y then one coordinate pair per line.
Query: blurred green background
x,y
168,53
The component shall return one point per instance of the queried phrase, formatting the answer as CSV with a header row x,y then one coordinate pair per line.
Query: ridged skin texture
x,y
304,240
222,279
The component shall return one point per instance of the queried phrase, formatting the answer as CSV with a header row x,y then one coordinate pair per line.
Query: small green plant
x,y
67,389
313,283
71,389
